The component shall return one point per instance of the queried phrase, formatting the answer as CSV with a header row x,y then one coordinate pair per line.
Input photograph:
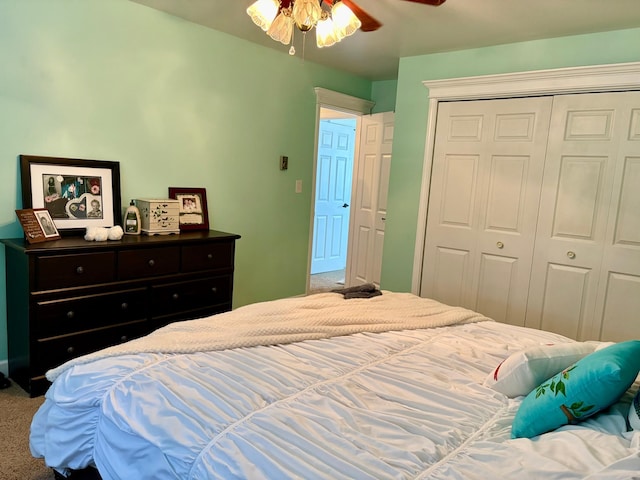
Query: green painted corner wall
x,y
177,105
412,113
383,92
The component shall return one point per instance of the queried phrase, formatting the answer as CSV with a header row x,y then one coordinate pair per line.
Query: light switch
x,y
298,186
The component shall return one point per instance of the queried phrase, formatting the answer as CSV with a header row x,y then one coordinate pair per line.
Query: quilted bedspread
x,y
290,320
403,398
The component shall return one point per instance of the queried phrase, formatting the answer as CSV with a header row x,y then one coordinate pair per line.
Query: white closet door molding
x,y
591,79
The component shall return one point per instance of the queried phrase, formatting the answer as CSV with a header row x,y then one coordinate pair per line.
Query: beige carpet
x,y
327,281
16,462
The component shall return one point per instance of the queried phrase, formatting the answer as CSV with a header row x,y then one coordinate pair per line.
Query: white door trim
x,y
342,101
590,79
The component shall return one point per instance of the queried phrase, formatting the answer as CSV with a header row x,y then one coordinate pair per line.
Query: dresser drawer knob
x,y
70,350
152,262
123,338
79,270
175,296
124,305
214,289
210,256
70,314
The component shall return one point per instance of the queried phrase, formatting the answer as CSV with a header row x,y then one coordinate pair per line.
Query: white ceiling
x,y
413,29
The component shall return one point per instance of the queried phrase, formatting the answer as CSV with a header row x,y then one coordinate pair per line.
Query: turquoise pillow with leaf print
x,y
591,384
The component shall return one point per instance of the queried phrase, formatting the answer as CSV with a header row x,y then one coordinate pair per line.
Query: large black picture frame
x,y
78,193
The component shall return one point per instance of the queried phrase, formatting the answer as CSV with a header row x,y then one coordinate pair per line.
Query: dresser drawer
x,y
62,316
207,257
61,271
172,298
55,351
133,264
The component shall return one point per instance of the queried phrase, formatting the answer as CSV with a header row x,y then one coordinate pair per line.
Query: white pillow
x,y
524,370
634,412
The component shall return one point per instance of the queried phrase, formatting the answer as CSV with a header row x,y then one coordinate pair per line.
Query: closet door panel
x,y
486,177
622,297
618,301
582,209
497,274
451,266
563,306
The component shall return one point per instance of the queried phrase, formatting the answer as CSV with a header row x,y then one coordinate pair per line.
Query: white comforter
x,y
396,404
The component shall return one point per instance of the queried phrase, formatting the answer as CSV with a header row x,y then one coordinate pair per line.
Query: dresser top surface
x,y
128,241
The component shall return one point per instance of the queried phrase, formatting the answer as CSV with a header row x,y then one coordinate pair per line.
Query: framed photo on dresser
x,y
193,213
77,193
37,224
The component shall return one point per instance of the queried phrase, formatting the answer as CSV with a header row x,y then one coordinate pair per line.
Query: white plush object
x,y
524,370
97,234
101,234
116,233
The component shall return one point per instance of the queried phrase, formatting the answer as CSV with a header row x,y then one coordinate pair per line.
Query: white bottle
x,y
132,220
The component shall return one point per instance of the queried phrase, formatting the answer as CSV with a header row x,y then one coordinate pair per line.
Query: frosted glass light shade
x,y
281,29
262,12
344,21
325,36
306,14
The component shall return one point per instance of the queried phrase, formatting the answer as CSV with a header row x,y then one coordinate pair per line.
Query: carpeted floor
x,y
327,281
16,462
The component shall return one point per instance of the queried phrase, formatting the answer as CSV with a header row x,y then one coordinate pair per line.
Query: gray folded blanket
x,y
366,290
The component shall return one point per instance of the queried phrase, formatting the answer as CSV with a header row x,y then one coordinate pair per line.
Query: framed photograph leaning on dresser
x,y
193,207
37,224
77,193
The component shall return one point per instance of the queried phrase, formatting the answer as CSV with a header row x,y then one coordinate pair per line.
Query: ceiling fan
x,y
333,19
370,24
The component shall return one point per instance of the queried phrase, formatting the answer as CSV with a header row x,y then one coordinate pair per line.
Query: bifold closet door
x,y
585,280
483,204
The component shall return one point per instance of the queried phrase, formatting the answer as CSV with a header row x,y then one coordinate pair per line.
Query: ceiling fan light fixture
x,y
281,30
333,19
263,12
325,33
306,14
344,20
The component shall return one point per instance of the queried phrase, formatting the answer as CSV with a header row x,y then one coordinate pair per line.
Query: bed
x,y
323,387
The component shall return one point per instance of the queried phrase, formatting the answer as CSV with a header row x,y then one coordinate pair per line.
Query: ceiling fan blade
x,y
369,24
433,3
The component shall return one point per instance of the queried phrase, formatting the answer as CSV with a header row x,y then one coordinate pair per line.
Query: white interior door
x,y
585,280
483,205
334,173
371,185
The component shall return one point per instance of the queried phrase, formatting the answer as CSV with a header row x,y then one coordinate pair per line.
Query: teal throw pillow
x,y
591,384
634,412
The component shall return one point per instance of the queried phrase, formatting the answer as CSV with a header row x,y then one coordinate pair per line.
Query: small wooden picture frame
x,y
193,212
37,224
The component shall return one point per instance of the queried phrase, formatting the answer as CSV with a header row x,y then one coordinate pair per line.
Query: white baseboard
x,y
4,367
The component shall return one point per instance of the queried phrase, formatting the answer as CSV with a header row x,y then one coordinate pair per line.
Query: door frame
x,y
343,103
589,79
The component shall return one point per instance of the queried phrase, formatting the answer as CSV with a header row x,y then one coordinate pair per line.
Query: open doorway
x,y
368,177
336,149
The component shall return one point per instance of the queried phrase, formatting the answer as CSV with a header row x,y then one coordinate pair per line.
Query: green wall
x,y
384,94
412,111
177,105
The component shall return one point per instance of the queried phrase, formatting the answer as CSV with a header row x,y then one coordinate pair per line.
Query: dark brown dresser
x,y
69,297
